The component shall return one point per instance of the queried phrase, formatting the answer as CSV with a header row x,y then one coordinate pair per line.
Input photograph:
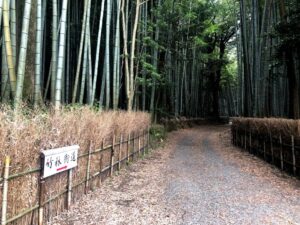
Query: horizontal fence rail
x,y
111,157
283,152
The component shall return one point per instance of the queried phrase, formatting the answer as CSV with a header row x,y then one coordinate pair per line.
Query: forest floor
x,y
198,177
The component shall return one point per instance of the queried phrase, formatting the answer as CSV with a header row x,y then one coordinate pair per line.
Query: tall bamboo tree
x,y
23,53
78,68
96,69
38,58
61,54
8,47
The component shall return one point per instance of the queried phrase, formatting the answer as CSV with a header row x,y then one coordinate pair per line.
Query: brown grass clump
x,y
22,136
284,127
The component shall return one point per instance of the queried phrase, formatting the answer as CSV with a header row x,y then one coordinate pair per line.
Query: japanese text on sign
x,y
59,160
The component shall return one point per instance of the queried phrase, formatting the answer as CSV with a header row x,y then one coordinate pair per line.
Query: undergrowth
x,y
23,135
158,134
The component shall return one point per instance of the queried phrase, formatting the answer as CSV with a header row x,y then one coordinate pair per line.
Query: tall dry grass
x,y
275,126
24,135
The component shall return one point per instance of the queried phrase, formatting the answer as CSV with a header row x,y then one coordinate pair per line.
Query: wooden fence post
x,y
265,149
41,201
250,142
120,152
88,169
148,140
245,135
133,143
101,165
5,190
232,135
128,148
70,179
281,152
112,157
293,155
272,150
144,142
139,144
236,138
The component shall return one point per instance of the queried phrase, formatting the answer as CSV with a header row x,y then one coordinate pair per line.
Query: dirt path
x,y
198,178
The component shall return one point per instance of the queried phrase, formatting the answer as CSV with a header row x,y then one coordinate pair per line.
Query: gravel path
x,y
197,178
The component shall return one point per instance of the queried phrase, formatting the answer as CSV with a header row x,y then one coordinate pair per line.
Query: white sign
x,y
59,160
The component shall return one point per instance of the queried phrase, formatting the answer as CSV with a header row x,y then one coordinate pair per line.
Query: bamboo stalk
x,y
25,212
11,177
61,55
38,58
23,54
82,36
5,190
97,52
8,48
54,49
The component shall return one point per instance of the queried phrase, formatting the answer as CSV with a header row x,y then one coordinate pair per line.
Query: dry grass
x,y
285,127
23,136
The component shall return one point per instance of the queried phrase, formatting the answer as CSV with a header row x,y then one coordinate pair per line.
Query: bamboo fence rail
x,y
283,152
120,151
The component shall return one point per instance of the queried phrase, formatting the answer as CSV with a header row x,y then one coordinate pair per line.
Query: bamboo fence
x,y
281,151
94,166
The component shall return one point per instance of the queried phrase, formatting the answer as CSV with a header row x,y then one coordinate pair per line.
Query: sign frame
x,y
54,161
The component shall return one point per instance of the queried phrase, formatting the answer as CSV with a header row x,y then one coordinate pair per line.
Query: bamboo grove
x,y
268,57
192,58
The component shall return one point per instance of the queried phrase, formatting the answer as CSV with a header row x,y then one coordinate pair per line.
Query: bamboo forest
x,y
190,58
149,112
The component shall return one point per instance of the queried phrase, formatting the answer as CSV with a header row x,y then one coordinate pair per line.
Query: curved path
x,y
197,178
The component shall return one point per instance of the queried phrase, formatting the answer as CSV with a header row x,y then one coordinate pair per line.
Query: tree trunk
x,y
107,53
37,89
8,47
82,36
61,54
54,49
96,69
23,53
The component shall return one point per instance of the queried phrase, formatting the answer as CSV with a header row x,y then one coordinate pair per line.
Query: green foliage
x,y
229,74
211,28
158,133
200,42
